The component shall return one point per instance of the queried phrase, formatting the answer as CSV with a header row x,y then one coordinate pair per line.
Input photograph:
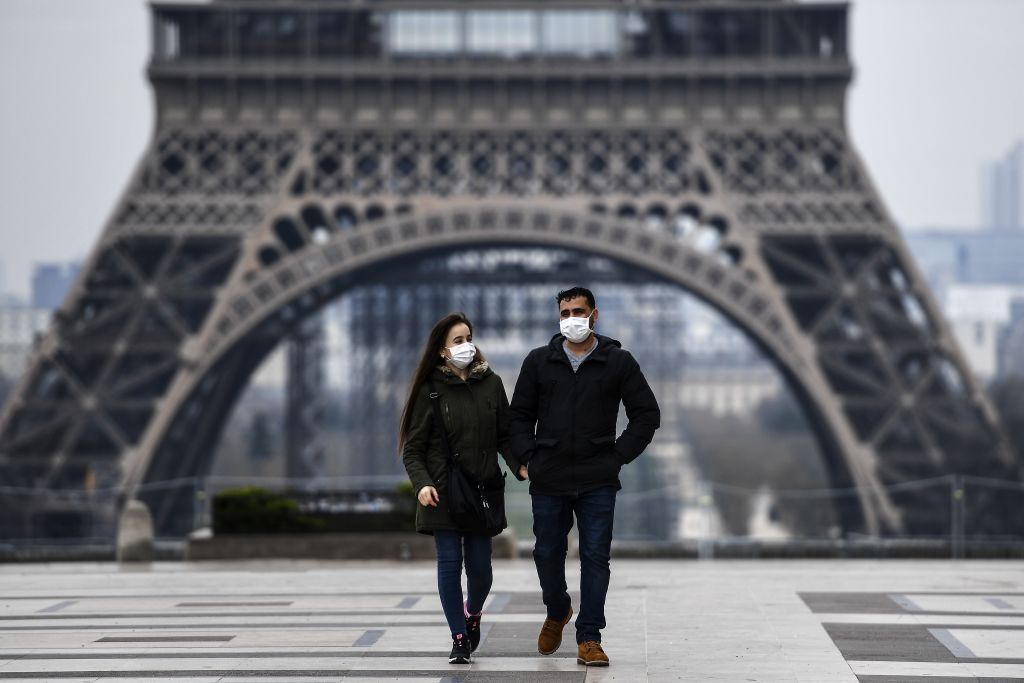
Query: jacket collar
x,y
477,371
599,354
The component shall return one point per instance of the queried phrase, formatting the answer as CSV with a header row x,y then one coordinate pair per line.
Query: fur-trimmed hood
x,y
478,369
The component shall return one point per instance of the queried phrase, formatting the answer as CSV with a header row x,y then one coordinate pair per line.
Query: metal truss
x,y
231,234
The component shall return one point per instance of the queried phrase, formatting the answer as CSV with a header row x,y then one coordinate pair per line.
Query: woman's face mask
x,y
575,328
461,355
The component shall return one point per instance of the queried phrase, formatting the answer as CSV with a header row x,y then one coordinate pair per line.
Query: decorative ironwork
x,y
261,199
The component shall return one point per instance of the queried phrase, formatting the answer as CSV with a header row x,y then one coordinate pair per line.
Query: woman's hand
x,y
523,472
428,496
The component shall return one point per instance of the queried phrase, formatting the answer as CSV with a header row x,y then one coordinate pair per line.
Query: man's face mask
x,y
575,329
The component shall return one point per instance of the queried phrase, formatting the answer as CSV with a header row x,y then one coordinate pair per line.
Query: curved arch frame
x,y
730,289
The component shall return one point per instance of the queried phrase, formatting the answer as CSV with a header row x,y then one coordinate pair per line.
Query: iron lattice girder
x,y
231,234
685,229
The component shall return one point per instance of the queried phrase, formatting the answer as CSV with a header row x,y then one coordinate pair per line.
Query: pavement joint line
x,y
179,596
59,606
905,602
368,638
210,627
198,638
388,613
915,668
997,602
952,643
281,603
217,653
1001,627
643,606
295,673
499,602
485,630
171,620
188,615
914,592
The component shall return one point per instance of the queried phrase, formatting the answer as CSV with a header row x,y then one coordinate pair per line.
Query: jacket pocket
x,y
603,453
602,444
541,456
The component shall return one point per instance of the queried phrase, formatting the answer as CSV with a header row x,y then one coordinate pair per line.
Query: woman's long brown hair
x,y
428,361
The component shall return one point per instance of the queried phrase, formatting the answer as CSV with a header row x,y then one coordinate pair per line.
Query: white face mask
x,y
575,329
462,354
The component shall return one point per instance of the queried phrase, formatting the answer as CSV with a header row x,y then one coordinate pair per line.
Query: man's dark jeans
x,y
552,521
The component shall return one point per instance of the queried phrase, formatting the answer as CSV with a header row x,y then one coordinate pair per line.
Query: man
x,y
563,415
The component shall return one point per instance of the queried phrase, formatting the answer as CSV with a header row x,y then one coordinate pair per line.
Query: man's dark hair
x,y
574,292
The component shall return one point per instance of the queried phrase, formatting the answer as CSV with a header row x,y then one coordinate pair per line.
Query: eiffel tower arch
x,y
298,147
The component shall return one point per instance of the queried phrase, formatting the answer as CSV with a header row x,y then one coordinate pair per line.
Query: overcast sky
x,y
937,92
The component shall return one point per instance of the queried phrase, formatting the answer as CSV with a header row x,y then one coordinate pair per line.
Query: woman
x,y
474,410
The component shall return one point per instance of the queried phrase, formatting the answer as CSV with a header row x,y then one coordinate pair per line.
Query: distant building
x,y
1002,191
979,314
51,282
947,257
19,325
726,391
976,276
7,298
1011,343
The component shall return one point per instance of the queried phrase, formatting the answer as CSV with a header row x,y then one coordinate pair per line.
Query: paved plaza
x,y
374,621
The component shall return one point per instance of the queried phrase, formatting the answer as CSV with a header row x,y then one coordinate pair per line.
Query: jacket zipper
x,y
572,420
572,431
448,414
476,438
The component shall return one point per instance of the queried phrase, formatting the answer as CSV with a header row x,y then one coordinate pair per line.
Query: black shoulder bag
x,y
474,506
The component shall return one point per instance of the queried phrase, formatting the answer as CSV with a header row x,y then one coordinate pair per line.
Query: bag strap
x,y
435,405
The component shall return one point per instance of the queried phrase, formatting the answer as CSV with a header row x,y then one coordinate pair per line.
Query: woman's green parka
x,y
476,416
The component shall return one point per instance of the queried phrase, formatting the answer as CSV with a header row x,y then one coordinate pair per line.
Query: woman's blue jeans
x,y
452,548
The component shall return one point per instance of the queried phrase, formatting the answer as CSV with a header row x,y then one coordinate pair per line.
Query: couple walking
x,y
558,432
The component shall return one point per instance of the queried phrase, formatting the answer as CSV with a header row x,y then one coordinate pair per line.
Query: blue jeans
x,y
450,555
552,521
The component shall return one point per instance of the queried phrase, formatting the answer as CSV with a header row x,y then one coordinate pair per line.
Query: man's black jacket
x,y
563,423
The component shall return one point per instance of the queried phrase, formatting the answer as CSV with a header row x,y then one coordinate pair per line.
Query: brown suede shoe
x,y
551,634
591,654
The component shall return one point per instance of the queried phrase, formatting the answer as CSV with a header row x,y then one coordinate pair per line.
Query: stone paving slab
x,y
668,620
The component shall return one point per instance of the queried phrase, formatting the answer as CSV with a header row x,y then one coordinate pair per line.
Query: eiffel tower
x,y
301,145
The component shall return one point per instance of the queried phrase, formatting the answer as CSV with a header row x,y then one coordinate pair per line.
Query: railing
x,y
950,516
